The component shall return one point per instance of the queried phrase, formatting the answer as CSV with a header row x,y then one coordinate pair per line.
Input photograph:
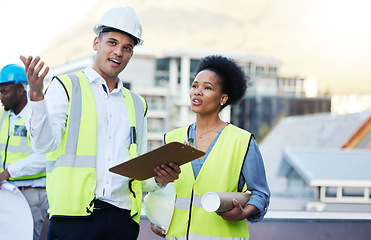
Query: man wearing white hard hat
x,y
20,166
87,123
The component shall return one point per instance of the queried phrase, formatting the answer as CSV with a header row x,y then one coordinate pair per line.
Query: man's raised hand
x,y
35,76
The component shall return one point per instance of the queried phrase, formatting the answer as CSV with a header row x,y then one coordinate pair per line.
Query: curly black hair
x,y
233,78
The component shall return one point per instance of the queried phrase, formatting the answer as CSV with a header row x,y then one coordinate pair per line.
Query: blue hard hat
x,y
13,73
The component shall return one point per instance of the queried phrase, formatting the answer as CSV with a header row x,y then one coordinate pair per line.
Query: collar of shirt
x,y
13,119
95,78
21,114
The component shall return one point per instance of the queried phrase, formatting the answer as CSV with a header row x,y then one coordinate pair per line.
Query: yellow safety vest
x,y
219,173
15,147
71,174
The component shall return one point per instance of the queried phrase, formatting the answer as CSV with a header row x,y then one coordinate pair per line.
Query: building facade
x,y
164,78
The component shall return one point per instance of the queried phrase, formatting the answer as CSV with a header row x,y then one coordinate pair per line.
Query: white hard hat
x,y
124,19
159,206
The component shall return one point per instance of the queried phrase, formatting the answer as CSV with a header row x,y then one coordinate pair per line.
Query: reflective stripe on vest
x,y
134,104
69,159
67,162
71,175
18,149
14,147
202,237
184,203
225,159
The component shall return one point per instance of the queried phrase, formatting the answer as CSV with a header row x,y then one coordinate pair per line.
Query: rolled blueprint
x,y
222,201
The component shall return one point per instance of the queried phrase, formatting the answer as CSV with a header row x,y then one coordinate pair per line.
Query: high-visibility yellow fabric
x,y
219,173
71,189
17,147
74,197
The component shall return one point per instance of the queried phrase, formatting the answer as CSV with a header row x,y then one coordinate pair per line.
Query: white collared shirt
x,y
47,124
32,164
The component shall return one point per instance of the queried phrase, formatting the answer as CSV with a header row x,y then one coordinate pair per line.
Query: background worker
x,y
19,164
87,123
232,162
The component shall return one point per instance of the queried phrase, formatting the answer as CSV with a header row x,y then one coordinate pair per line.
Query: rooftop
x,y
329,167
319,131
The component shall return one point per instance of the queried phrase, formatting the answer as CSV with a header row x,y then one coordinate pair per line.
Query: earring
x,y
221,104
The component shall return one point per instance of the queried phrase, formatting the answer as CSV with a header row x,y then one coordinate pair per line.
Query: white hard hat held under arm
x,y
159,206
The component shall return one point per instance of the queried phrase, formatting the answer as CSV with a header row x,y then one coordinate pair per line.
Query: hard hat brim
x,y
103,29
98,28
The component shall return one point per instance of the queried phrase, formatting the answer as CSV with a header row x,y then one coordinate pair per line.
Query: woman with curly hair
x,y
232,162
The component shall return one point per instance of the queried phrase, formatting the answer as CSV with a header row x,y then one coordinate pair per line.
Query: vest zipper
x,y
7,143
190,215
6,151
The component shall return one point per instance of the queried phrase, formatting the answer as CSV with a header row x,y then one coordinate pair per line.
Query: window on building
x,y
178,62
155,102
156,125
330,192
272,70
353,192
153,144
345,194
259,70
194,65
162,72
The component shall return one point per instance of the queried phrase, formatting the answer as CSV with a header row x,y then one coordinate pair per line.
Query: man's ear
x,y
95,43
20,89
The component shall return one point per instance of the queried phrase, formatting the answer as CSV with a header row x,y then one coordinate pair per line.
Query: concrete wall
x,y
290,229
286,229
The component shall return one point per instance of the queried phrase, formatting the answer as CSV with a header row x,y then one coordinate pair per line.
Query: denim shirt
x,y
253,174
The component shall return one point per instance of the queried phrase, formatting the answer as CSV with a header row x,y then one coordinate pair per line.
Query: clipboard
x,y
141,167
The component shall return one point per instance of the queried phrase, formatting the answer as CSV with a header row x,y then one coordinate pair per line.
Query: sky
x,y
334,35
23,24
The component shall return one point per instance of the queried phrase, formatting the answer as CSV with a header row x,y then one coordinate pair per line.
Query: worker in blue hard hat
x,y
12,77
19,164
